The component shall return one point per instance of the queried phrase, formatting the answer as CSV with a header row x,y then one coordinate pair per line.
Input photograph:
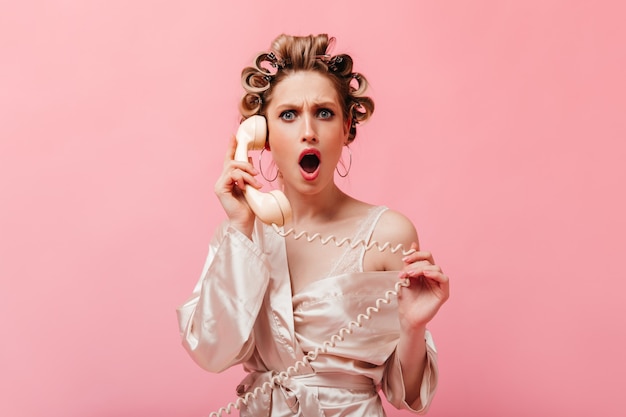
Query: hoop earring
x,y
261,169
349,166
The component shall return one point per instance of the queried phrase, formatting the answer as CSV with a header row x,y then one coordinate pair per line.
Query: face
x,y
307,131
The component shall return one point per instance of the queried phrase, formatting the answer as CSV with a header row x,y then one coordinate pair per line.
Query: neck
x,y
318,207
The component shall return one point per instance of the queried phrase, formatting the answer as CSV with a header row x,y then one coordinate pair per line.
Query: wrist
x,y
245,228
415,332
412,326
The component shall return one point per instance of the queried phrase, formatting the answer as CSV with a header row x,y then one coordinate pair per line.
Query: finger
x,y
419,256
236,175
414,269
242,166
418,269
408,253
435,274
440,279
231,148
242,178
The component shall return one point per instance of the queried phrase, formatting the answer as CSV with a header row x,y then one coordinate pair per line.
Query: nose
x,y
308,133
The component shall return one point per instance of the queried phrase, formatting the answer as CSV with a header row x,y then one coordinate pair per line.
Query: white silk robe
x,y
242,310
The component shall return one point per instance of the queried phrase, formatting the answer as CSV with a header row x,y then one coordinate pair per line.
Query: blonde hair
x,y
305,53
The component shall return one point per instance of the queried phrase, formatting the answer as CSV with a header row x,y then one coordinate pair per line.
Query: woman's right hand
x,y
229,189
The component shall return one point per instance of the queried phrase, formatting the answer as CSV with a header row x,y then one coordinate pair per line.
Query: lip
x,y
310,176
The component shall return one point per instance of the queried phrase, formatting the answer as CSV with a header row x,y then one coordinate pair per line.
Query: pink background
x,y
499,130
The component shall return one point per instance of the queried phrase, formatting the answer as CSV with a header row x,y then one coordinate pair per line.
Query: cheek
x,y
273,138
278,134
336,156
280,152
281,141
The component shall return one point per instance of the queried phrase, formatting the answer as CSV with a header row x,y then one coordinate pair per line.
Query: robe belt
x,y
295,396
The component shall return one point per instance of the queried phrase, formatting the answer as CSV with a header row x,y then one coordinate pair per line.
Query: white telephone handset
x,y
270,208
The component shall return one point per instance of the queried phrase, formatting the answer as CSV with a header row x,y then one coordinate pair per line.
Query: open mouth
x,y
309,162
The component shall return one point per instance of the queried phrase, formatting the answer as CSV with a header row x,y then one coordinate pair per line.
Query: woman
x,y
265,300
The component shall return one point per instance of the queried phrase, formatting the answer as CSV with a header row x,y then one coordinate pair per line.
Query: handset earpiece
x,y
272,207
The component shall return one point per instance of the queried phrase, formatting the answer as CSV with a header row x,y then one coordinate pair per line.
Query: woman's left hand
x,y
429,288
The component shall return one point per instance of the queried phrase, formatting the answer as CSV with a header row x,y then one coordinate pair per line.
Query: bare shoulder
x,y
397,229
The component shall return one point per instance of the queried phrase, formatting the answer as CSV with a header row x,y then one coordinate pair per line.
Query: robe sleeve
x,y
393,383
216,321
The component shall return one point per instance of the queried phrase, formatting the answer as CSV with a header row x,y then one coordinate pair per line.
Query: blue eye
x,y
288,115
325,114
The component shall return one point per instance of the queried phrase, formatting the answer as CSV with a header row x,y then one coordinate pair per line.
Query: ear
x,y
346,129
267,134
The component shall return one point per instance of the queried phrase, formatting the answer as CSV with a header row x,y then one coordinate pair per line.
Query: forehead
x,y
304,86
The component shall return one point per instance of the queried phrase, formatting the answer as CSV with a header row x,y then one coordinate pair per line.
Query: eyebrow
x,y
316,104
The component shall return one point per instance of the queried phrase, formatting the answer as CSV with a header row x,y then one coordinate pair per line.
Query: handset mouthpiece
x,y
270,208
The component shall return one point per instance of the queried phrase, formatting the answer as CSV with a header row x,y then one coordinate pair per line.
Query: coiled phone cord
x,y
345,240
339,336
